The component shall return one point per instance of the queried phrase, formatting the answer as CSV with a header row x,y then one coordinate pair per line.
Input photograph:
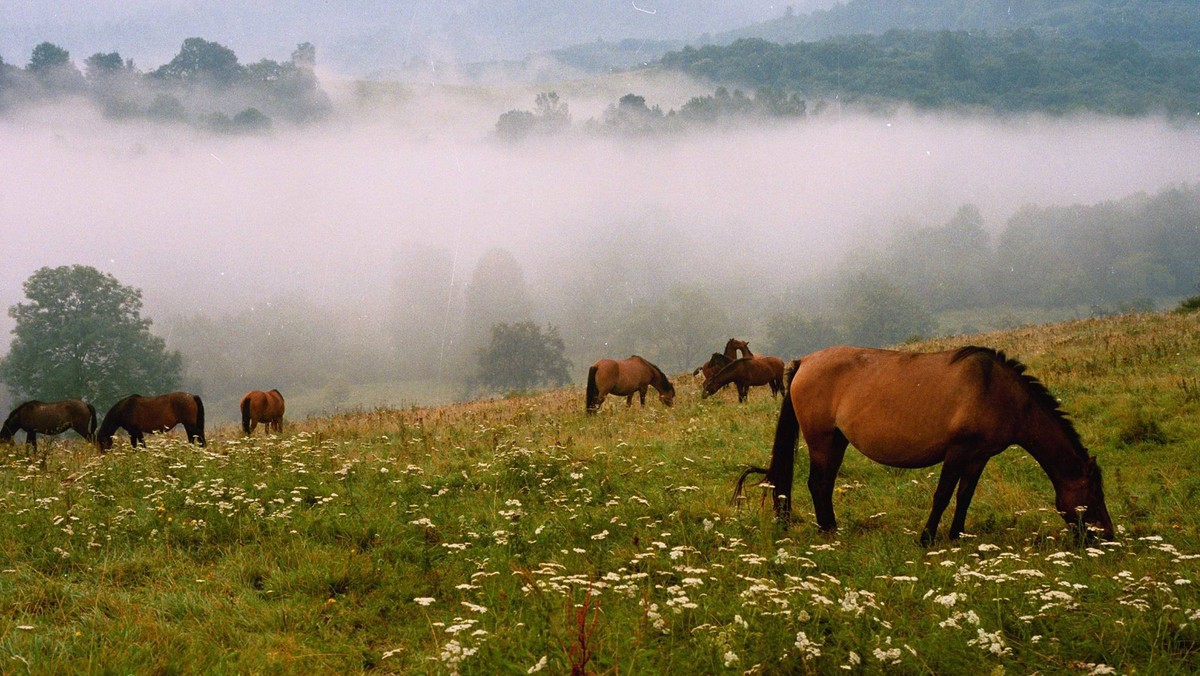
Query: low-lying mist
x,y
208,224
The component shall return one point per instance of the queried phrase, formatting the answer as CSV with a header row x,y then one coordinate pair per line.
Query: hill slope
x,y
1162,25
522,534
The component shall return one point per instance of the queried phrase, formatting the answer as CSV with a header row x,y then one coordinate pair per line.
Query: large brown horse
x,y
746,373
56,417
139,415
625,378
911,410
262,407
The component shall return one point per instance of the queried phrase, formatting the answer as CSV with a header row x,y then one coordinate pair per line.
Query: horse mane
x,y
1033,387
10,423
110,423
657,371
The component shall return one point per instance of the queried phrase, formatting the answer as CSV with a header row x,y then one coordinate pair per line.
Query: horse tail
x,y
593,392
91,428
246,414
783,453
199,418
737,489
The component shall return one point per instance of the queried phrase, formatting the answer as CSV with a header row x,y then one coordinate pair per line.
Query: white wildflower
x,y
807,647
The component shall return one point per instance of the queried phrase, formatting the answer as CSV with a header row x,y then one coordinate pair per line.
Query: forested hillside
x,y
1017,71
1160,25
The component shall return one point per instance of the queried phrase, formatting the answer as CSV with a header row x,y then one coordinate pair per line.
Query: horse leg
x,y
136,438
966,491
31,439
629,400
825,455
642,395
743,391
952,471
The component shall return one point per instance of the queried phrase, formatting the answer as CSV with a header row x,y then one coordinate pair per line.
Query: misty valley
x,y
411,337
659,221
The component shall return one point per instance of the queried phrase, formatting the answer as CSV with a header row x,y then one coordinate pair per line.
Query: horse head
x,y
667,394
1080,501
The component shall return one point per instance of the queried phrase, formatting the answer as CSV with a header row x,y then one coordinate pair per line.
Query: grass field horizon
x,y
521,535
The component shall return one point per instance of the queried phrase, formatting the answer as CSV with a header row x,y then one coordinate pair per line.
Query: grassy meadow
x,y
520,535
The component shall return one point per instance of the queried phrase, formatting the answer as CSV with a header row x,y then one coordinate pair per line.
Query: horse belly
x,y
157,422
905,451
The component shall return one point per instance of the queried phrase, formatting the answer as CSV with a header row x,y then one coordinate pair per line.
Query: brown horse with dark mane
x,y
139,415
715,363
262,407
56,417
733,345
625,378
746,373
912,410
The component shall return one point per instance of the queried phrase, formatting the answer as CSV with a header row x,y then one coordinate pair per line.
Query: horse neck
x,y
658,379
1046,437
113,419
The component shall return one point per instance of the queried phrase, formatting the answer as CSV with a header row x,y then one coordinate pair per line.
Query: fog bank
x,y
206,223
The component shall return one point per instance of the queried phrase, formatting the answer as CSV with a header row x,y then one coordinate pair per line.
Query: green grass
x,y
484,537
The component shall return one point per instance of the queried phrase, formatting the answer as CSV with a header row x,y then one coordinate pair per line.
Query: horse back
x,y
162,412
901,408
623,377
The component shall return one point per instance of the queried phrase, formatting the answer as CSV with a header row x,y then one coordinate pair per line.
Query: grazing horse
x,y
624,378
710,367
34,417
139,415
746,373
911,410
732,347
262,407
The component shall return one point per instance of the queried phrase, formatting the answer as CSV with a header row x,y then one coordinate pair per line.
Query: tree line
x,y
203,85
631,115
1015,71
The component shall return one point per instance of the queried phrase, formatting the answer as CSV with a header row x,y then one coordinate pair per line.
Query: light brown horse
x,y
911,410
38,417
746,373
625,378
262,407
139,415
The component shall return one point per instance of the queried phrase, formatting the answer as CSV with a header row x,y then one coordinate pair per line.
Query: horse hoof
x,y
927,539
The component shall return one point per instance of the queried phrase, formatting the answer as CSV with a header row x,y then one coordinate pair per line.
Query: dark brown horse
x,y
38,417
733,345
262,407
709,368
139,415
746,373
625,378
912,410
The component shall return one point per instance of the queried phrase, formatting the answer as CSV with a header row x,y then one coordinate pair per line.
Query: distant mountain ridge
x,y
1169,25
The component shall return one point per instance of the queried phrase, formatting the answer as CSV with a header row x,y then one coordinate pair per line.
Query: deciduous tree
x,y
81,335
520,357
